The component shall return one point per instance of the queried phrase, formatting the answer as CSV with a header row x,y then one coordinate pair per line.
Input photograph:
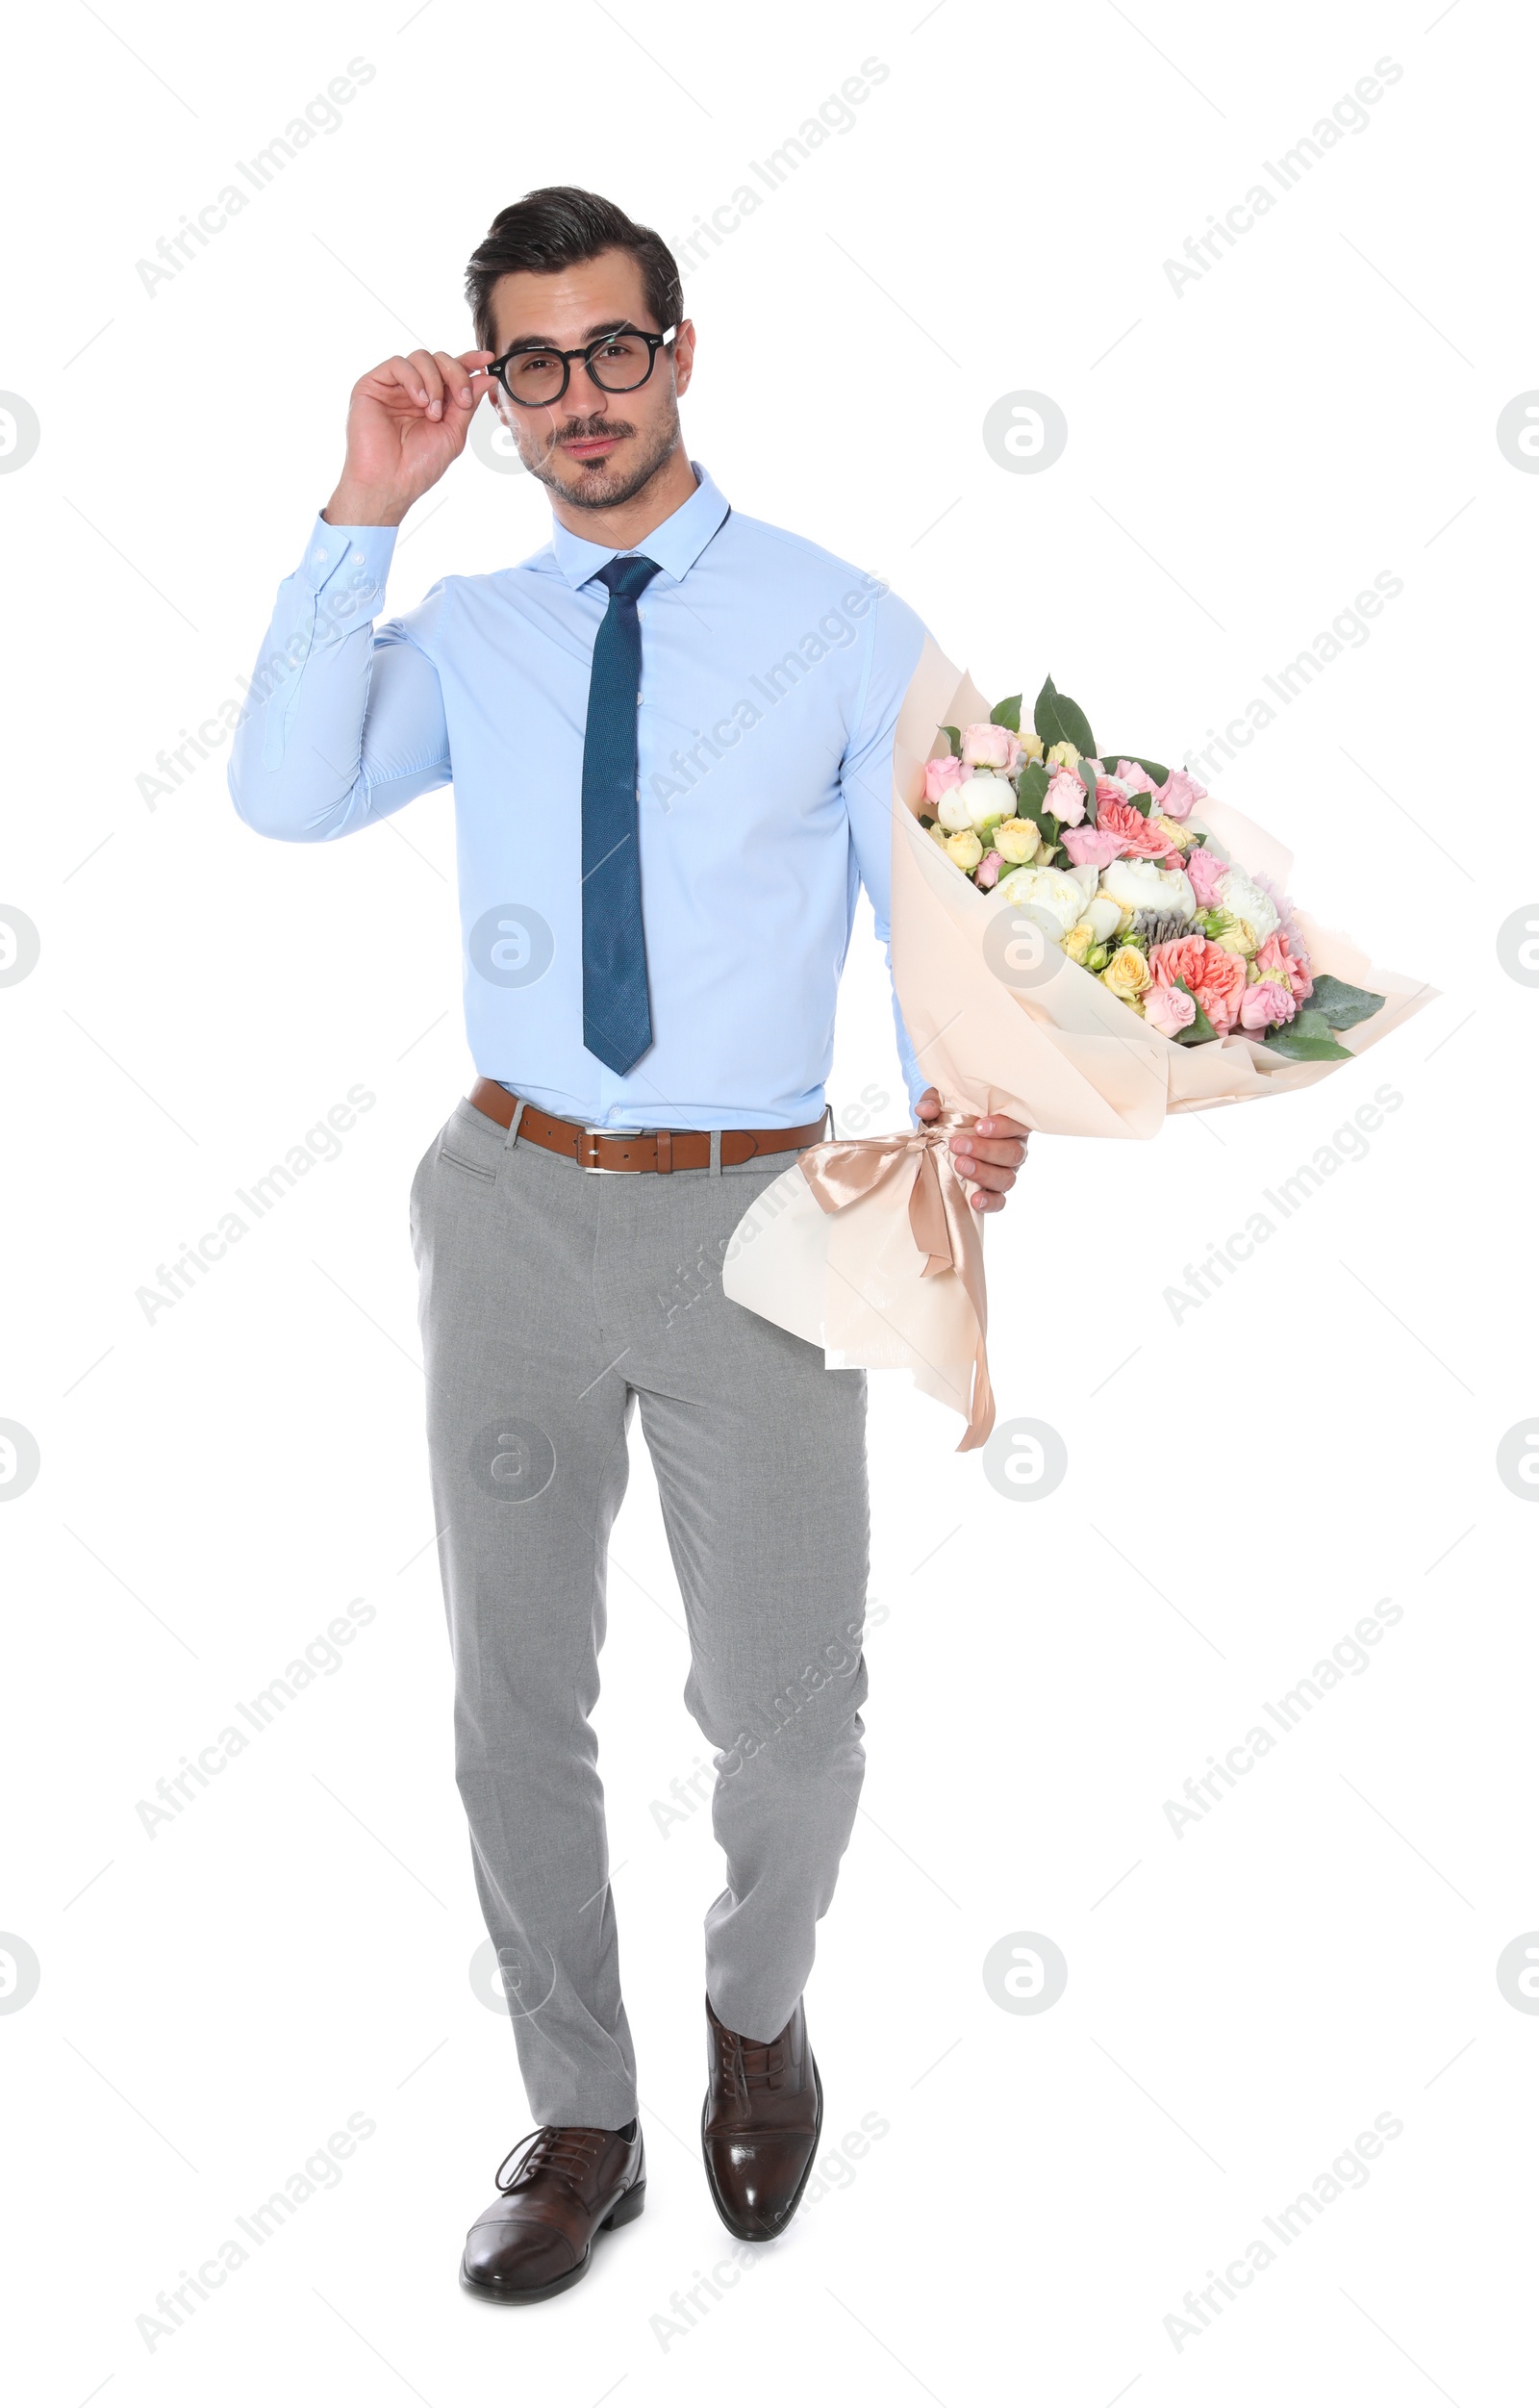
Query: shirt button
x,y
358,560
317,558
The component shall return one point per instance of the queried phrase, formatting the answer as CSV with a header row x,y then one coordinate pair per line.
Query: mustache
x,y
591,429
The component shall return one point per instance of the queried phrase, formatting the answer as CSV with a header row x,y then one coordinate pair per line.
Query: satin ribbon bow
x,y
942,1223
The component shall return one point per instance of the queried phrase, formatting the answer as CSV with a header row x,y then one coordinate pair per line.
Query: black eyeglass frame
x,y
585,353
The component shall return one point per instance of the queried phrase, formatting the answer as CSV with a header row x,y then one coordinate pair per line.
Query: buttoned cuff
x,y
351,562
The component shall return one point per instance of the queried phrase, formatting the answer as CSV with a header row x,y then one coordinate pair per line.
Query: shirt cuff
x,y
349,560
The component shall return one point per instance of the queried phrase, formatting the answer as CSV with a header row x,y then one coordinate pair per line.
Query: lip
x,y
595,448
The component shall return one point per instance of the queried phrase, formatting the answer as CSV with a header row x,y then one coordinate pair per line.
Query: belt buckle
x,y
588,1142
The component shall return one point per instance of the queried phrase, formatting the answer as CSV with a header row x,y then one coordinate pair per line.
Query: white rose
x,y
1242,897
1144,886
1053,891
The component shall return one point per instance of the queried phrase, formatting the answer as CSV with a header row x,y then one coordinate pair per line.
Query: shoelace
x,y
766,2072
566,2151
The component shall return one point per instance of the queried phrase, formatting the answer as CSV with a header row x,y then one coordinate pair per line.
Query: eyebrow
x,y
543,342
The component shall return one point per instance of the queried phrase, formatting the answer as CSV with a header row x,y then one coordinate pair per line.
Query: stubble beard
x,y
596,484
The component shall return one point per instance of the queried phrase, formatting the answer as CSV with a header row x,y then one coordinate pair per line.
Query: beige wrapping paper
x,y
869,1247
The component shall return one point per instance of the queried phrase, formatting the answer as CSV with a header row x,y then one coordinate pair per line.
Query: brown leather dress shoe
x,y
536,2237
764,2110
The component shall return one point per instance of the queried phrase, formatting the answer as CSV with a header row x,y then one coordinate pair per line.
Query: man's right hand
x,y
407,421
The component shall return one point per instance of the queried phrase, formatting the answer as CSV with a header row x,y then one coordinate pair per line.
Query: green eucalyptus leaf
x,y
1059,720
1340,1004
953,736
1306,1038
1007,714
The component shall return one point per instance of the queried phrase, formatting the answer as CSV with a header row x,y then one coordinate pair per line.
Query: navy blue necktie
x,y
616,1015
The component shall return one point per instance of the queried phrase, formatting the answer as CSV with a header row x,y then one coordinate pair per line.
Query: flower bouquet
x,y
1083,940
1115,868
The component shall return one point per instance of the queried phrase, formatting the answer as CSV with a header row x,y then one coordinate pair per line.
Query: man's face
x,y
595,449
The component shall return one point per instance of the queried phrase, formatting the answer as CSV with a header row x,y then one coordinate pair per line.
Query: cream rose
x,y
1143,886
1018,840
1031,746
1063,756
1052,891
1239,937
1127,973
964,849
1080,941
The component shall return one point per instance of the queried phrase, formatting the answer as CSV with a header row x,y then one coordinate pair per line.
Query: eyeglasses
x,y
534,374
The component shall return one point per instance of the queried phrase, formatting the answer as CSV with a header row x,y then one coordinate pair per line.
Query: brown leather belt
x,y
662,1150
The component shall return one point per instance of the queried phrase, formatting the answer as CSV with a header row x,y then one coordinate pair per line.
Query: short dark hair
x,y
560,226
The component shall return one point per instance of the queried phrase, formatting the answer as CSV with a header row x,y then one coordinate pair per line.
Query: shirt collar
x,y
676,545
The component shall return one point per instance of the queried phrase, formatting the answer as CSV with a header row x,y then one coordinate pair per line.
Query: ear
x,y
684,355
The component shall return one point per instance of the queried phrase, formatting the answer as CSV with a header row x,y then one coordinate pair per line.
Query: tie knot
x,y
630,576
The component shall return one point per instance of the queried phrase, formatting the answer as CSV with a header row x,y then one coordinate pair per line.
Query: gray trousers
x,y
552,1302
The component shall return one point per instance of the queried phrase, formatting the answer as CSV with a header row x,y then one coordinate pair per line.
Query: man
x,y
670,734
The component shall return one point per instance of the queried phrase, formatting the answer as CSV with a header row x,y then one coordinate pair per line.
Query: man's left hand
x,y
988,1153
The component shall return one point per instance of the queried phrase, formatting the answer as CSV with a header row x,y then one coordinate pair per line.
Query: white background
x,y
294,1947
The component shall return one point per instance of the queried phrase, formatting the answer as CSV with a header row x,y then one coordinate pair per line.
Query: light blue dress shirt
x,y
771,675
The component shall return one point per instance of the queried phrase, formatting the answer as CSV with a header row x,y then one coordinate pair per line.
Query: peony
x,y
990,797
1137,839
1204,868
1293,969
964,849
1179,794
1104,916
1088,843
1143,886
1063,756
1052,891
1169,1009
953,810
984,745
1134,779
1266,1005
1127,973
940,776
988,870
1241,896
1018,839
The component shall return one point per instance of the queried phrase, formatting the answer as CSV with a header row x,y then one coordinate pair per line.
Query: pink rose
x,y
940,777
1215,978
1288,963
1179,794
1266,1005
1221,987
988,869
1090,844
1169,1009
1134,780
1065,798
1181,957
1137,839
1204,870
985,747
